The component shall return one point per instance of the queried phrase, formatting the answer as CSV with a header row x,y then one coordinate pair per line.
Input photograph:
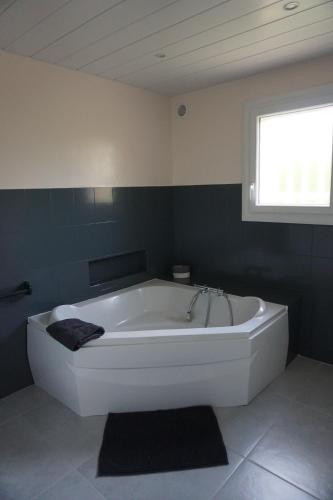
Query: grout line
x,y
90,482
260,439
324,363
53,483
228,478
293,399
320,413
282,478
21,413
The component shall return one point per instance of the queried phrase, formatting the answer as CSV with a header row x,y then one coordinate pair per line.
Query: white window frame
x,y
314,97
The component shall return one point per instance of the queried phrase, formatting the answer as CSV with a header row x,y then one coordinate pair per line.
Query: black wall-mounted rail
x,y
24,289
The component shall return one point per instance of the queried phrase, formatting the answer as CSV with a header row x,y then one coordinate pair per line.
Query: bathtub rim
x,y
249,329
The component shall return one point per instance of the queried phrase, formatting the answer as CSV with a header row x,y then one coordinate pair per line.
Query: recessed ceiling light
x,y
160,55
291,5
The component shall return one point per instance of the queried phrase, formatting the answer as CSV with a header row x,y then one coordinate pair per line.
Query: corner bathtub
x,y
152,357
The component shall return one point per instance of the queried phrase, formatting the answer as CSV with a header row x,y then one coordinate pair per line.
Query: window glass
x,y
294,158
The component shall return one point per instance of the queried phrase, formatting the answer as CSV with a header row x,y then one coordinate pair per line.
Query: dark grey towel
x,y
73,333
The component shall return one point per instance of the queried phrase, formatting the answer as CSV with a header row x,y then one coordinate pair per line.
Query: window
x,y
288,158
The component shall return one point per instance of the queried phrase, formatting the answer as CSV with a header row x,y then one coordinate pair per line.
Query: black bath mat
x,y
160,441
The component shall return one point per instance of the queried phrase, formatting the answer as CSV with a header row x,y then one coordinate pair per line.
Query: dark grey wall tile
x,y
293,239
322,275
300,239
12,209
107,239
45,295
288,270
12,252
10,277
84,205
15,371
39,246
37,207
323,241
27,248
71,243
73,282
48,236
104,204
210,236
62,207
322,318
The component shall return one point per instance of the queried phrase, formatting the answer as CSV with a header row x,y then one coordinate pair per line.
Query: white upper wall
x,y
60,128
207,144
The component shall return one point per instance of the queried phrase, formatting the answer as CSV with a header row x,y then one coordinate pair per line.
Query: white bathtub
x,y
152,357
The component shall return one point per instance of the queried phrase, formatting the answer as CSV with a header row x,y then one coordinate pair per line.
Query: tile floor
x,y
280,447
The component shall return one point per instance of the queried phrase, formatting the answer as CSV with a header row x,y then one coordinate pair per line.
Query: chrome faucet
x,y
202,290
208,290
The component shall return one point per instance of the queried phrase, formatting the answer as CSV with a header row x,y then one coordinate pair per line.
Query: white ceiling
x,y
204,41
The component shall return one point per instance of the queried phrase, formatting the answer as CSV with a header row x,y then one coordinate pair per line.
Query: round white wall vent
x,y
182,110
